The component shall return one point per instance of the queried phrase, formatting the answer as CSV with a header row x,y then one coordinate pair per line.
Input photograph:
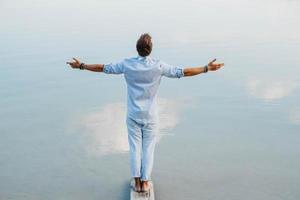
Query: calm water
x,y
229,135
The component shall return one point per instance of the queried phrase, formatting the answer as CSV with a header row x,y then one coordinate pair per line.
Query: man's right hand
x,y
214,66
75,64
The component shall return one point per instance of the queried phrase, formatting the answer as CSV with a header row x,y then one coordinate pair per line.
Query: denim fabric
x,y
142,140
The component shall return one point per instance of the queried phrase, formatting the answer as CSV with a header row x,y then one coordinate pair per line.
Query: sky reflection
x,y
239,140
271,89
105,130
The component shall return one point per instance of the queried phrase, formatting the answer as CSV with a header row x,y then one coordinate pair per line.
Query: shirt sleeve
x,y
171,71
114,68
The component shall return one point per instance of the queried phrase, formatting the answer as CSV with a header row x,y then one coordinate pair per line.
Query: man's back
x,y
143,75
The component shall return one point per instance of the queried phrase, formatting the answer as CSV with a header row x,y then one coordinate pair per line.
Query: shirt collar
x,y
143,58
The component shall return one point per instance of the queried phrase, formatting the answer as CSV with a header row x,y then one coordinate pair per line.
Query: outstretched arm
x,y
91,67
211,66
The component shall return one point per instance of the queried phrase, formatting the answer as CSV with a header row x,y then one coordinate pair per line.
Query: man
x,y
143,75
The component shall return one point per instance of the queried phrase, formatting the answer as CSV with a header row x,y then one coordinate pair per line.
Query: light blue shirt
x,y
143,75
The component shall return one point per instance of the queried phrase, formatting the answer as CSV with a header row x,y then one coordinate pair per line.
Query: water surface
x,y
233,134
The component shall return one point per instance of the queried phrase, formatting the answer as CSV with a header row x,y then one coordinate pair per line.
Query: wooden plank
x,y
141,195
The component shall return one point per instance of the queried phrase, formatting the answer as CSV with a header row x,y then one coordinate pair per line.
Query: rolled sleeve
x,y
171,71
114,68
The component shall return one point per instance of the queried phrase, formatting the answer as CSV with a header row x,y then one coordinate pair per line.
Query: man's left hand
x,y
75,64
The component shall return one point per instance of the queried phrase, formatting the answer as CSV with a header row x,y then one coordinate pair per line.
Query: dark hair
x,y
144,45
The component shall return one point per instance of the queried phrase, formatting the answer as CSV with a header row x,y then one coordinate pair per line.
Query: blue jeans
x,y
142,140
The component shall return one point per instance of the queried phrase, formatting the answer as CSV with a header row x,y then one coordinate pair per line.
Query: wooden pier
x,y
141,195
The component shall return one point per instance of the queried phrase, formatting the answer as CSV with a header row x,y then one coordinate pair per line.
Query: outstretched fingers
x,y
73,63
211,62
220,65
76,60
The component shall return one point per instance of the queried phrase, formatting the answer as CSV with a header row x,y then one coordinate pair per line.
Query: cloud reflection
x,y
269,89
106,130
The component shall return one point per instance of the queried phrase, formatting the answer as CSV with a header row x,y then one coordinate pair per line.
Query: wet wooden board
x,y
141,195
